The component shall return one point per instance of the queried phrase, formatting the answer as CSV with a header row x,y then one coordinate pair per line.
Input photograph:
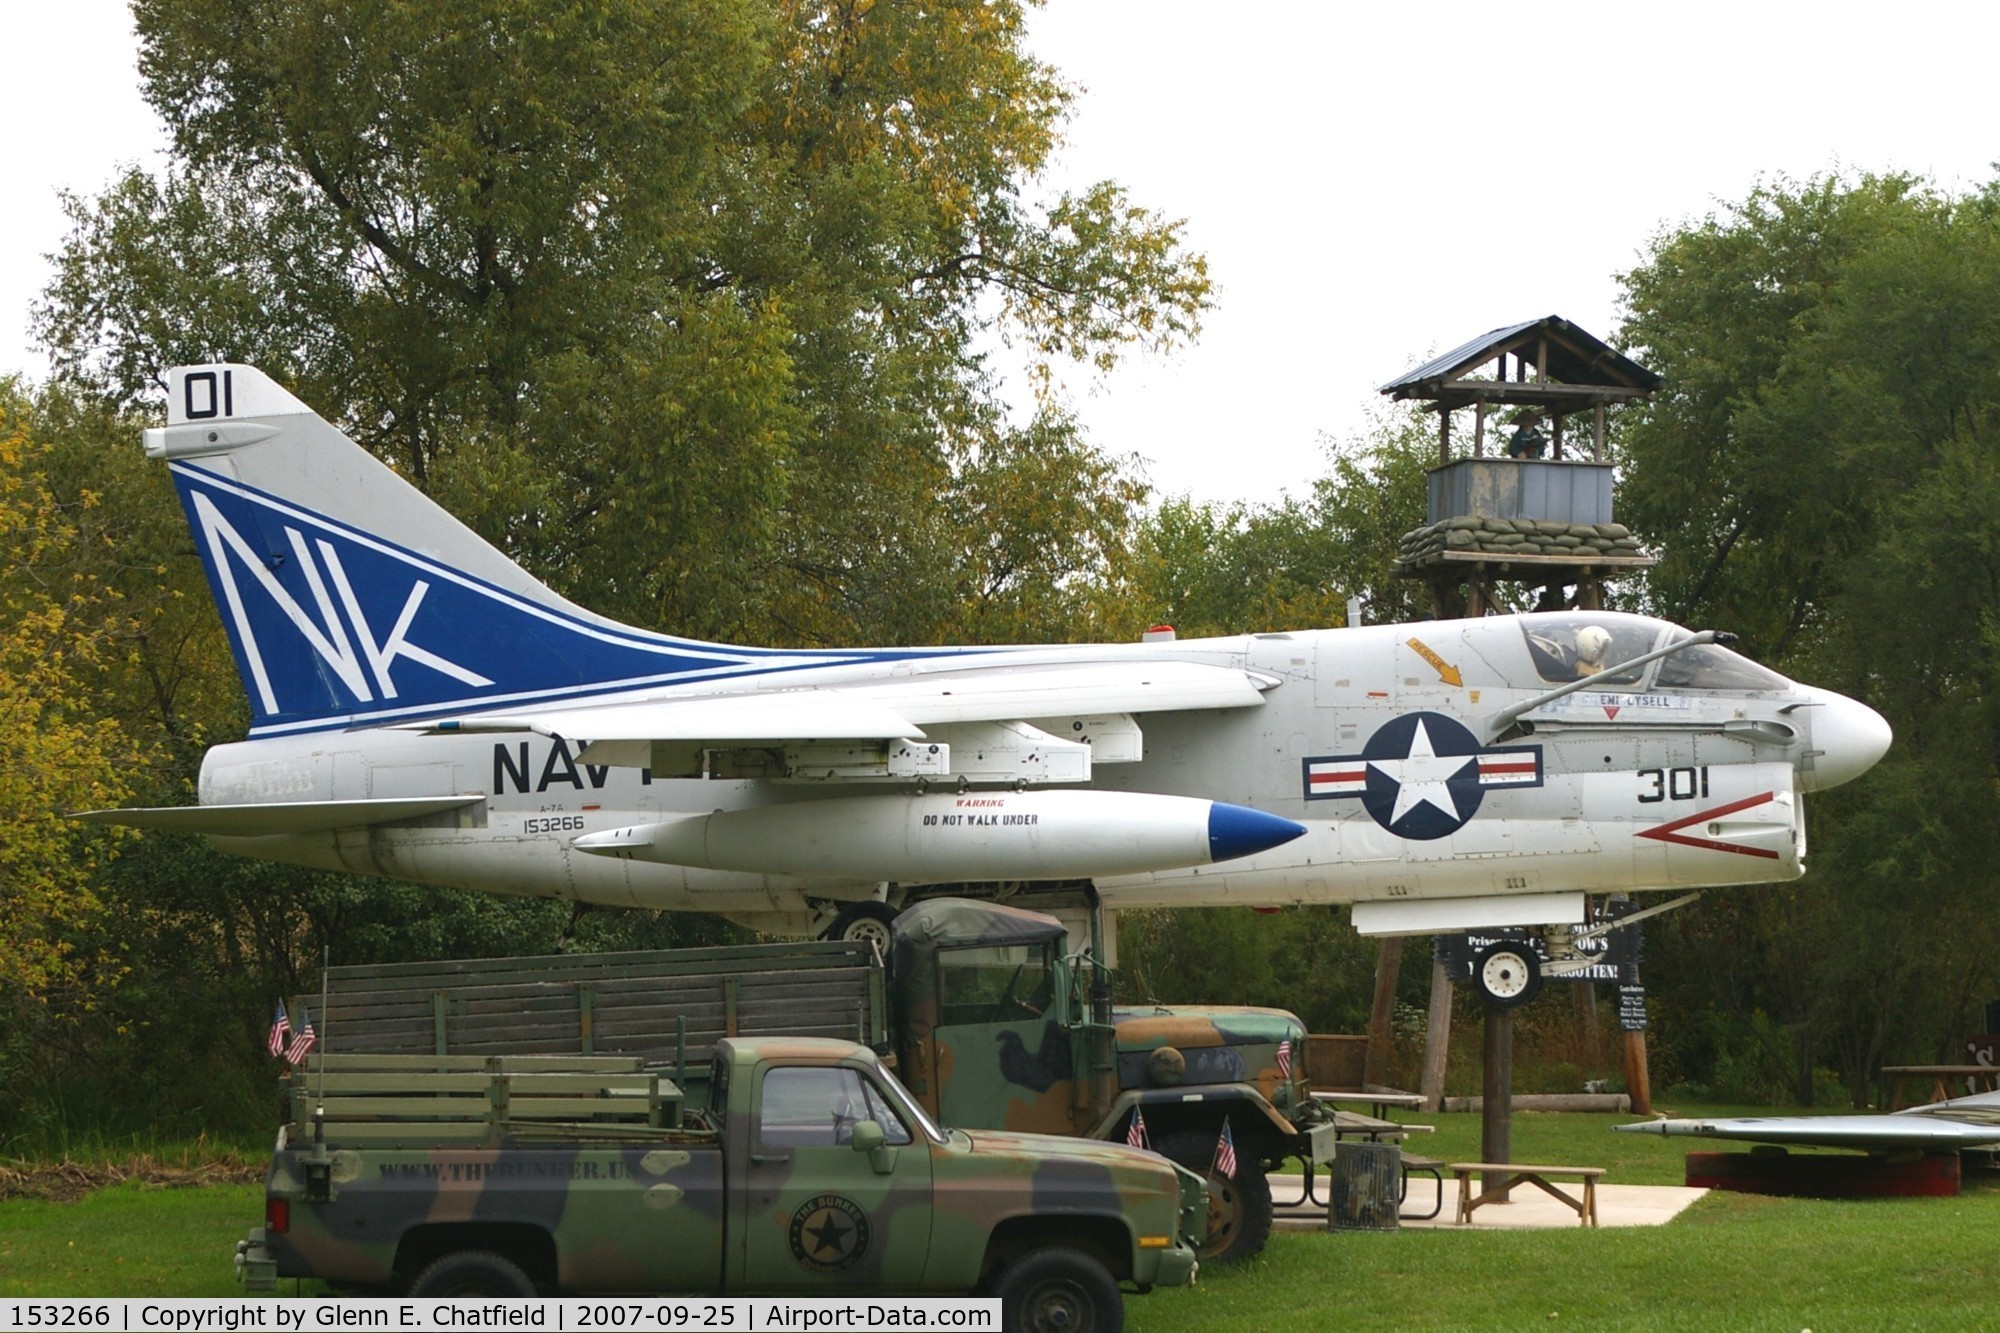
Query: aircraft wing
x,y
781,715
264,820
879,709
1930,1132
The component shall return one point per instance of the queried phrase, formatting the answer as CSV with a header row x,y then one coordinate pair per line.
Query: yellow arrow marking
x,y
1446,672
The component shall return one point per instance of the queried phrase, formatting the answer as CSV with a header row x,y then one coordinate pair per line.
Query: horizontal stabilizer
x,y
276,817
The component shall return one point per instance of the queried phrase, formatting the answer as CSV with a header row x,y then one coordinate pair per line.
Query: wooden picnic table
x,y
1983,1078
1379,1104
1513,1173
1354,1125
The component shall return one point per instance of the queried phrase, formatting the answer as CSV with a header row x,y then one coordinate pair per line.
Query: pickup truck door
x,y
817,1215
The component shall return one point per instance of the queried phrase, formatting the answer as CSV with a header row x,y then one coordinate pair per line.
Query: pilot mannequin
x,y
1593,642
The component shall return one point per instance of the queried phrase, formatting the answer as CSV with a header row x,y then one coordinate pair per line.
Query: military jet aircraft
x,y
425,709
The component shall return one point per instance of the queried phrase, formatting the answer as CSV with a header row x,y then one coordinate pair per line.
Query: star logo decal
x,y
1422,776
829,1232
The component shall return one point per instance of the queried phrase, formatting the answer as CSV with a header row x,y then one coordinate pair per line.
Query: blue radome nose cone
x,y
1237,830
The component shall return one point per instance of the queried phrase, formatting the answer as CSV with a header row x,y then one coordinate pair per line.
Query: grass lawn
x,y
129,1240
1730,1262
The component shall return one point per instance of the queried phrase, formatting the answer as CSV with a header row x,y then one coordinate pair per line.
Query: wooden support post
x,y
1584,1001
1479,429
1597,451
1638,1084
1444,434
1382,1018
1437,1038
1496,1111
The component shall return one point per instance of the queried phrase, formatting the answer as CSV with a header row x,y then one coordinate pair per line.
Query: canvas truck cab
x,y
1000,1027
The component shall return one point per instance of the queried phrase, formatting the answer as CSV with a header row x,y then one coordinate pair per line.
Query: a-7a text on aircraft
x,y
425,709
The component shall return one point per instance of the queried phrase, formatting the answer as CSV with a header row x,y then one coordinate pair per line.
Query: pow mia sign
x,y
829,1233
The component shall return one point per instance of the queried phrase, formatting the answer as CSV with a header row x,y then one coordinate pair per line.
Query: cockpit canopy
x,y
1569,645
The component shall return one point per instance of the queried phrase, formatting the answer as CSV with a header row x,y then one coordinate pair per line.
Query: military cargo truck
x,y
989,1018
807,1169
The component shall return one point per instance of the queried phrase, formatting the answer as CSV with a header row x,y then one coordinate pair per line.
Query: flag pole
x,y
319,1098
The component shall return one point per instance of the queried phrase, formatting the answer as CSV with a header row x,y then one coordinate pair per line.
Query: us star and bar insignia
x,y
1423,775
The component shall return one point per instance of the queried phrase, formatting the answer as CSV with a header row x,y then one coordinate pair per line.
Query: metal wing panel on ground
x,y
1866,1132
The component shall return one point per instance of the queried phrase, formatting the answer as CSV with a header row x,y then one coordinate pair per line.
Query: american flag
x,y
1135,1132
302,1039
281,1028
1285,1058
1225,1153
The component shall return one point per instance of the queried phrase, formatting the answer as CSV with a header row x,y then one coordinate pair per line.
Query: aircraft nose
x,y
1848,738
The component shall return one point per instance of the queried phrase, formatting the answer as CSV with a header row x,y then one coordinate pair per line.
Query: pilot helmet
x,y
1592,641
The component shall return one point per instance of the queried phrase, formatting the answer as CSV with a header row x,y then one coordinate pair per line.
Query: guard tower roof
x,y
1573,369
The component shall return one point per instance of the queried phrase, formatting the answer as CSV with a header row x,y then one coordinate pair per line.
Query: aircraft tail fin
x,y
351,598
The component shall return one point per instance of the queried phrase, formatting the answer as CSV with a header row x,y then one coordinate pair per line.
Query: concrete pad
x,y
1527,1207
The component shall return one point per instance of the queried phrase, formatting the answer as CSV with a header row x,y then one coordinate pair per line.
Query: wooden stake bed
x,y
388,1101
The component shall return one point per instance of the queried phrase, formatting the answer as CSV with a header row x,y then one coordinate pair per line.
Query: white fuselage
x,y
1638,785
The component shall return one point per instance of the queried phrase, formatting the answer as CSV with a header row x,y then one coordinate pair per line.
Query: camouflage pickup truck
x,y
809,1170
992,1021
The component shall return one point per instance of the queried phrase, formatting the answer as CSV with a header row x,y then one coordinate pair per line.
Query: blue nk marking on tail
x,y
323,628
331,626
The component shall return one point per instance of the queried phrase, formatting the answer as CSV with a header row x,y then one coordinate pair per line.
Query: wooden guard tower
x,y
1544,522
1541,521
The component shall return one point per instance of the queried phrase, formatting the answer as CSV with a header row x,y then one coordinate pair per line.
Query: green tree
x,y
1209,569
679,302
57,629
1823,473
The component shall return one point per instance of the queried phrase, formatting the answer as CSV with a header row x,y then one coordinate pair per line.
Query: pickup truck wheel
x,y
1239,1209
1058,1291
473,1273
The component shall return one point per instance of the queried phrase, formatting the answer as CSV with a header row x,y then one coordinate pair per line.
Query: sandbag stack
x,y
1503,537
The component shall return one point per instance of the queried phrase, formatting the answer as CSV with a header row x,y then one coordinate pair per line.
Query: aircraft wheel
x,y
1507,974
867,922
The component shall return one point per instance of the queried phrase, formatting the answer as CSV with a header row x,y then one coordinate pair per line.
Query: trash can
x,y
1365,1185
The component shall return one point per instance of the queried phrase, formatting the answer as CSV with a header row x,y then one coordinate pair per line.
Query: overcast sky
x,y
1370,183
